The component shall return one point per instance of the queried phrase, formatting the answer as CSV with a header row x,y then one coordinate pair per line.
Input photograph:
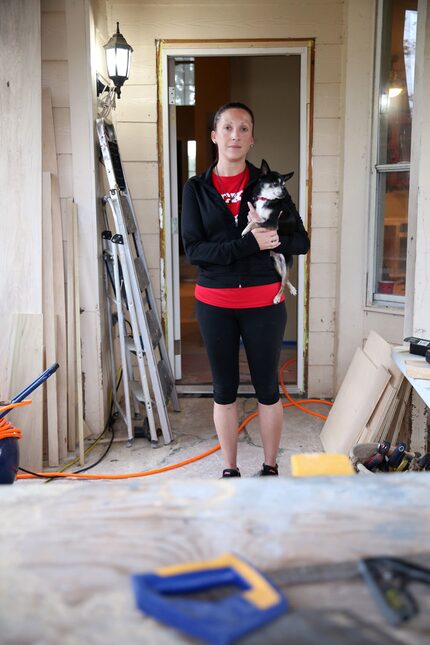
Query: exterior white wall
x,y
339,319
20,179
142,24
417,321
353,319
66,70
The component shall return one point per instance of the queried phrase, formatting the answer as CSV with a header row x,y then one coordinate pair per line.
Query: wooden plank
x,y
26,363
60,314
359,393
77,307
373,426
392,414
403,405
379,351
418,372
71,334
49,163
49,154
49,321
87,589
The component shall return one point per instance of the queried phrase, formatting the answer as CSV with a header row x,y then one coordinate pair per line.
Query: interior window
x,y
185,89
393,123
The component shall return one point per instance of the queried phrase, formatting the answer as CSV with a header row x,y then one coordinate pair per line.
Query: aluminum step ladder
x,y
133,299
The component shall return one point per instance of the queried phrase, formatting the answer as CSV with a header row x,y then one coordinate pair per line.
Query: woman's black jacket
x,y
214,243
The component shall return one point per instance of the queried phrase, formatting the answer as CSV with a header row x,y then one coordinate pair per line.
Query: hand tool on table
x,y
397,455
221,621
388,579
379,460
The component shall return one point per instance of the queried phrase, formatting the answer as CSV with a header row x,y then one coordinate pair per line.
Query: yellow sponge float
x,y
313,464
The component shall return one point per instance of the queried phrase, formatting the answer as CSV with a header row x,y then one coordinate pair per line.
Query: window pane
x,y
397,80
184,81
393,194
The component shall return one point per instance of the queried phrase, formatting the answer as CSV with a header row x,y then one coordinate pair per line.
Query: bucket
x,y
9,460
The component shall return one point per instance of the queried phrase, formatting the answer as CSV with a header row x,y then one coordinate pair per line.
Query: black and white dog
x,y
270,201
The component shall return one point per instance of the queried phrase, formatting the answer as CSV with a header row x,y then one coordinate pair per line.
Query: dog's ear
x,y
287,176
264,167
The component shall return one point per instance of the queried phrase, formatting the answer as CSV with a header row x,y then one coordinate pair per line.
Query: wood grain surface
x,y
67,549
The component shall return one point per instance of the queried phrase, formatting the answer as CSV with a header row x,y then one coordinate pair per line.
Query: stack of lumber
x,y
371,401
51,425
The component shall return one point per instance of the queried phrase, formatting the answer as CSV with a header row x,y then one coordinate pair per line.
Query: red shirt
x,y
231,190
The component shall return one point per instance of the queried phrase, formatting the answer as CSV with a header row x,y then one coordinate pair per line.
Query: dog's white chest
x,y
263,210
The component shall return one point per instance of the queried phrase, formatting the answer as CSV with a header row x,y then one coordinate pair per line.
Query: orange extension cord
x,y
156,471
6,428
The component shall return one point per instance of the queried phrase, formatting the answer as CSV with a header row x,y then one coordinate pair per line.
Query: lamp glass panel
x,y
111,62
122,62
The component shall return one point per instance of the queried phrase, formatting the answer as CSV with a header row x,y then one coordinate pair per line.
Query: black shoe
x,y
231,472
268,471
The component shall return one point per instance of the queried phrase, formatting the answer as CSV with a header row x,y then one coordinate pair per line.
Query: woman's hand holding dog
x,y
267,239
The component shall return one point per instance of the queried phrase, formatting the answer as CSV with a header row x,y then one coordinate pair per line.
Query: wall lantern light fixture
x,y
118,58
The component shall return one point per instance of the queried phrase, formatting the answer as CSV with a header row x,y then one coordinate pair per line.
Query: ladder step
x,y
165,379
133,300
154,328
142,274
128,215
137,390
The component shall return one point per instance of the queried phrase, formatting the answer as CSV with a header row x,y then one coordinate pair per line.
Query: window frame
x,y
373,298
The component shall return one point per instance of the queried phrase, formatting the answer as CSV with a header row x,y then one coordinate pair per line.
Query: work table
x,y
67,549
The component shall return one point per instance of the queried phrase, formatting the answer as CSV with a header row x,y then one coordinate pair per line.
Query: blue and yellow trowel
x,y
221,622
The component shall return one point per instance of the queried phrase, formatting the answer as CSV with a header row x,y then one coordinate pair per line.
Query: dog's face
x,y
271,184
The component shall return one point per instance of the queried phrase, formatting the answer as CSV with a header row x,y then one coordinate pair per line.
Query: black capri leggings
x,y
262,330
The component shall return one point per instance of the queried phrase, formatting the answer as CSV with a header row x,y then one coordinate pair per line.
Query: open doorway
x,y
274,85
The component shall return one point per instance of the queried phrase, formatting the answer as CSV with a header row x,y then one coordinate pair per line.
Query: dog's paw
x,y
277,299
292,289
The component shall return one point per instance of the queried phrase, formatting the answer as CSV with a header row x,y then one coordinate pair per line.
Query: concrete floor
x,y
194,433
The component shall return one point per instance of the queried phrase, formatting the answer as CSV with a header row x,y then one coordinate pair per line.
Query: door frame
x,y
170,296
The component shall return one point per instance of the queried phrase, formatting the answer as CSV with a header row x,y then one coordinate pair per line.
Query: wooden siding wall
x,y
66,71
21,337
142,23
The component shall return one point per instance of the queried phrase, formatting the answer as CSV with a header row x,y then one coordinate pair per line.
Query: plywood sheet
x,y
20,171
373,427
25,361
359,393
379,352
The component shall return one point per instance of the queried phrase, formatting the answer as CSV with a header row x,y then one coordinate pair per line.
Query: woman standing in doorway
x,y
237,282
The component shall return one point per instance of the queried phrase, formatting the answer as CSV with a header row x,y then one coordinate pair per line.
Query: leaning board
x,y
359,393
